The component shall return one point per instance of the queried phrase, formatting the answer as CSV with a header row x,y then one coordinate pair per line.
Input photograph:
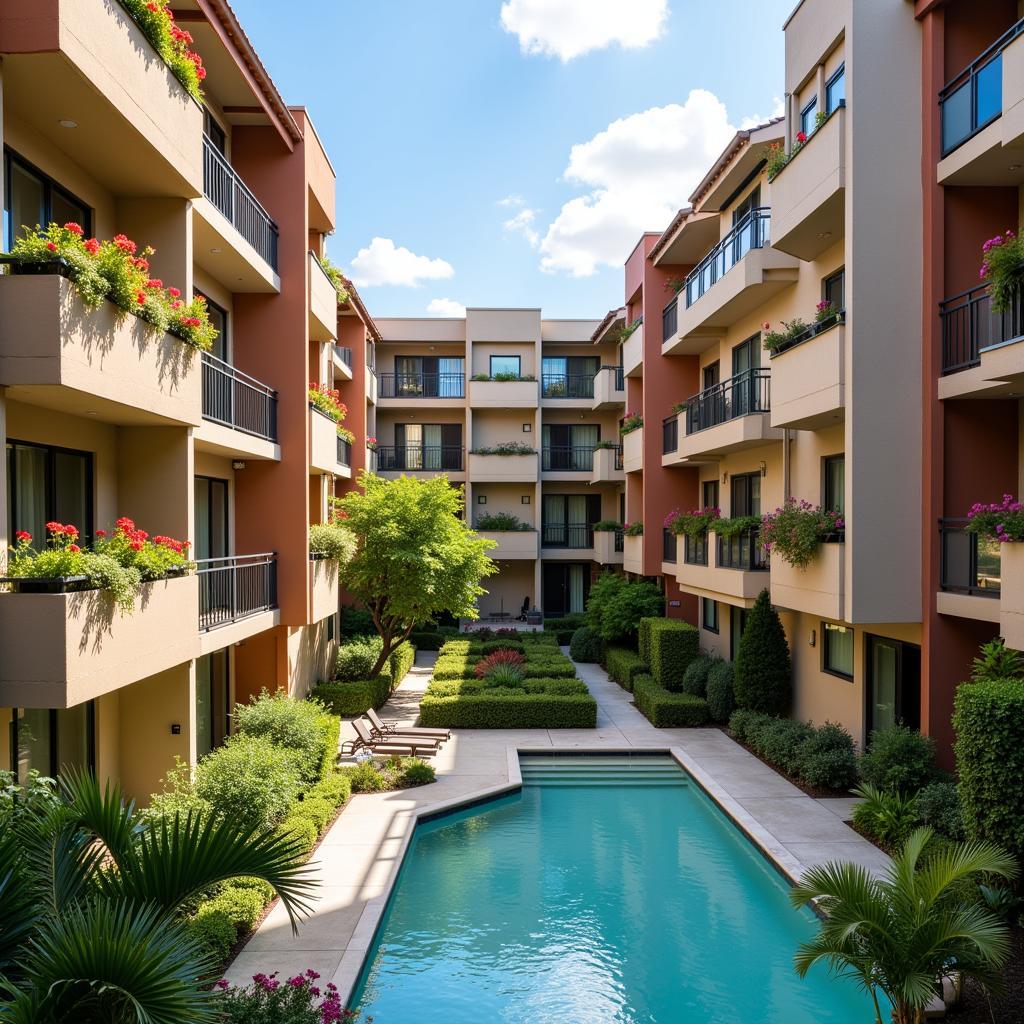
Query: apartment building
x,y
833,415
102,417
522,412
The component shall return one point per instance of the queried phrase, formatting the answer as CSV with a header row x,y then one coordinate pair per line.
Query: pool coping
x,y
365,932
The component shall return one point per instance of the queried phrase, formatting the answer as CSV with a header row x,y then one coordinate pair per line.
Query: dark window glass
x,y
833,289
837,649
835,89
47,483
746,495
835,483
211,514
50,741
710,375
709,493
505,364
31,198
709,614
807,116
219,319
213,701
752,202
215,133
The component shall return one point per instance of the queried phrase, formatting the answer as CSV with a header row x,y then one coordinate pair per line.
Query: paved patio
x,y
360,855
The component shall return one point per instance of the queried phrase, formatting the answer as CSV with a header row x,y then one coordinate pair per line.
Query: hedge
x,y
586,646
451,687
989,723
532,670
695,678
400,661
354,698
426,641
623,665
762,670
665,709
673,644
505,711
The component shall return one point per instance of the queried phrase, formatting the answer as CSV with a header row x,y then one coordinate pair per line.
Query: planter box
x,y
323,303
323,588
717,581
56,352
604,548
604,471
503,468
808,381
1011,595
503,394
633,554
817,590
62,649
633,451
517,544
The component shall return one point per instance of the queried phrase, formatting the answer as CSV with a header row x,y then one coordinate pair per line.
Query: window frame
x,y
840,72
826,461
827,280
11,157
828,629
53,768
490,365
705,603
736,612
87,528
809,109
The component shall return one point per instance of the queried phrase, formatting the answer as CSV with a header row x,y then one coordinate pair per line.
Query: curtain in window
x,y
576,600
450,384
554,513
584,439
408,375
27,469
432,446
835,484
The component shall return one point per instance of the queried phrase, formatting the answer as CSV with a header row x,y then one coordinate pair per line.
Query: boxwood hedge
x,y
665,709
509,711
354,698
624,665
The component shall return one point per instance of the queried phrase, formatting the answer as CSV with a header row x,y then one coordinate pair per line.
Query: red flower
x,y
141,298
54,527
92,246
23,535
75,548
136,545
51,247
200,73
201,298
175,293
71,531
124,523
101,533
75,229
801,137
125,244
154,282
142,264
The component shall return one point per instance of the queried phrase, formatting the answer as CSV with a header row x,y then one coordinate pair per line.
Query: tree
x,y
414,556
616,605
90,899
763,673
898,934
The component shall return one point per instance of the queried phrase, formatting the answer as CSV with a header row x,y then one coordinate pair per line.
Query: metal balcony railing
x,y
619,544
567,385
237,400
746,393
619,464
969,326
235,587
422,385
752,232
968,564
569,459
344,451
670,318
744,551
344,354
695,549
669,435
567,535
420,458
226,190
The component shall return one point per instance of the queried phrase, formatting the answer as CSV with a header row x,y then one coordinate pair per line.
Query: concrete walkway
x,y
360,855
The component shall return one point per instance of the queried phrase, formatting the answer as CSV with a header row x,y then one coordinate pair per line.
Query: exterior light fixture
x,y
524,500
764,468
215,251
527,427
238,464
66,122
481,499
813,638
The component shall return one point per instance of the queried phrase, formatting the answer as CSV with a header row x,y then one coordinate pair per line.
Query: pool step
x,y
601,771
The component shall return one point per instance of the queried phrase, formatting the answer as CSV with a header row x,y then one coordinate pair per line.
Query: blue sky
x,y
452,133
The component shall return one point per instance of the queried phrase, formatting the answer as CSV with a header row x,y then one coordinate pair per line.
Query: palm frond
x,y
951,866
19,911
104,813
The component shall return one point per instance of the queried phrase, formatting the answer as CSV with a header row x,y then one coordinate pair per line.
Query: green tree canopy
x,y
414,558
763,674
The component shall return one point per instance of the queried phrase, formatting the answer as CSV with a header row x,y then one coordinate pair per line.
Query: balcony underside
x,y
222,252
218,439
999,374
714,443
738,586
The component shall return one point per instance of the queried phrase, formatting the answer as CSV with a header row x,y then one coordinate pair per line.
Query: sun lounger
x,y
365,740
396,733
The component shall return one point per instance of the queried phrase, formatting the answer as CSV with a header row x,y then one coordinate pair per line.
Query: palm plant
x,y
91,894
897,935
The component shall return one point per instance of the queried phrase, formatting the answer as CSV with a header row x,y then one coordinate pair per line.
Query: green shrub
x,y
781,742
214,934
417,772
898,758
938,804
365,777
623,665
265,889
721,701
674,645
300,829
402,658
455,687
501,711
996,661
989,724
357,657
586,646
762,673
887,817
242,905
743,723
426,641
317,810
357,622
606,586
501,645
334,787
626,607
695,678
249,778
829,758
665,709
301,726
353,698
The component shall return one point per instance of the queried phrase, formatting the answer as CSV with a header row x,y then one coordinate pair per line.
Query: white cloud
x,y
513,200
523,223
382,262
640,170
754,120
445,307
569,28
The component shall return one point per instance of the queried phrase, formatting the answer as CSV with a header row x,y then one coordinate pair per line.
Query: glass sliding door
x,y
568,520
213,701
894,683
51,741
450,374
565,588
47,483
211,512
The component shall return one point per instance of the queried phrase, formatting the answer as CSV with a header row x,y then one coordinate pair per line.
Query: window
x,y
428,377
505,364
737,623
709,614
833,289
709,493
837,649
215,133
834,473
213,701
211,517
50,740
835,90
219,319
893,684
569,446
426,446
710,375
45,484
565,588
744,209
32,198
807,116
569,376
745,494
568,520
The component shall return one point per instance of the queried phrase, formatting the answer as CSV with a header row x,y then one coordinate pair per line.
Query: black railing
x,y
670,318
620,541
344,354
752,232
969,326
743,551
344,451
226,190
567,385
974,98
968,564
695,549
570,459
669,434
420,458
237,400
668,545
422,385
748,392
567,535
618,457
234,587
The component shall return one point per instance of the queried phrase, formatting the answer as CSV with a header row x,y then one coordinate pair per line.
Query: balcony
x,y
503,394
431,459
608,466
324,449
740,274
371,385
608,547
809,378
981,356
239,412
817,590
727,417
566,537
633,451
234,239
633,353
57,353
609,388
341,356
323,303
567,390
970,573
731,567
982,114
503,468
566,462
440,389
513,544
62,649
323,588
237,594
1011,597
633,554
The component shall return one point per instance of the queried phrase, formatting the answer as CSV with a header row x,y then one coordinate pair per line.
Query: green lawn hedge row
x,y
402,659
426,641
506,711
665,709
624,665
668,646
450,687
533,670
355,698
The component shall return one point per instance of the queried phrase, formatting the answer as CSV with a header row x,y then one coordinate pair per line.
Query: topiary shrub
x,y
497,709
898,758
763,674
623,665
721,701
938,805
426,641
357,657
829,758
695,678
586,646
355,697
780,742
674,644
665,709
403,657
989,724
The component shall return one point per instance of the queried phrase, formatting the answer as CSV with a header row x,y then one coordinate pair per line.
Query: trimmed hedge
x,y
624,665
353,698
665,709
401,660
720,698
899,758
673,645
426,641
586,646
451,687
508,711
989,723
695,678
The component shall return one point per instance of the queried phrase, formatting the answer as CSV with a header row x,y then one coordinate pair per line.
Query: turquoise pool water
x,y
609,891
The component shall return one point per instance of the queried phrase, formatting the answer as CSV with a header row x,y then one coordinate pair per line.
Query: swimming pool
x,y
610,890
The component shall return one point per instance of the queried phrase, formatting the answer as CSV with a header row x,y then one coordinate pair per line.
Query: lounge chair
x,y
397,733
365,740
